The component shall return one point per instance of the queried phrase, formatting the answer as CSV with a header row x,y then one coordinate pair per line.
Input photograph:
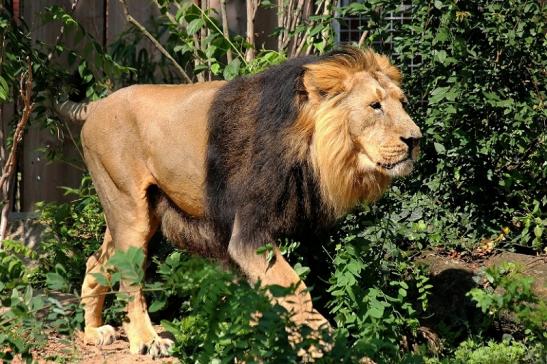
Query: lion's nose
x,y
411,142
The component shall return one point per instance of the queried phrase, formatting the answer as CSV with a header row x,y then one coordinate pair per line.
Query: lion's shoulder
x,y
250,167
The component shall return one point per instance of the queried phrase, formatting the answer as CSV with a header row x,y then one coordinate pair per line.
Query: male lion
x,y
225,167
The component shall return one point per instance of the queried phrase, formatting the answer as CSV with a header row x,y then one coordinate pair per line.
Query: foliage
x,y
13,270
37,288
236,320
478,95
492,353
508,291
27,314
209,52
73,232
378,295
95,76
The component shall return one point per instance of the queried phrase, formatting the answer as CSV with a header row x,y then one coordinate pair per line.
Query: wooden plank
x,y
116,23
41,178
105,21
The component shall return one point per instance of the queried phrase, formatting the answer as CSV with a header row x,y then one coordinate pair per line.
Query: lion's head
x,y
361,135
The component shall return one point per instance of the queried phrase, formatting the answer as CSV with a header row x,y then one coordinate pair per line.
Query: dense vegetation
x,y
479,96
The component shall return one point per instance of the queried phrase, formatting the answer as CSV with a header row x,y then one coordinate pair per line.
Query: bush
x,y
509,292
73,232
506,352
478,96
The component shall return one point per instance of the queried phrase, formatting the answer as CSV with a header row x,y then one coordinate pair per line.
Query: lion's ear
x,y
388,69
323,79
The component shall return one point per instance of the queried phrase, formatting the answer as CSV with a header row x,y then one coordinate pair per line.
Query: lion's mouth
x,y
389,166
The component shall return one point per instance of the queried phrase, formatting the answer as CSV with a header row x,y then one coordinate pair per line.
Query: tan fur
x,y
334,156
136,138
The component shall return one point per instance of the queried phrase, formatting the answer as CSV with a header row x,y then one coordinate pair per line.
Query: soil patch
x,y
60,349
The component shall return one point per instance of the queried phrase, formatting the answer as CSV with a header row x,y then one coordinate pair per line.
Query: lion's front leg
x,y
277,271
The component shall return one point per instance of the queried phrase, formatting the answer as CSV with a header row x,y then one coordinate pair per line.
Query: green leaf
x,y
4,89
439,148
211,49
442,35
183,48
301,270
441,56
538,231
215,68
195,25
438,94
376,311
56,280
157,305
129,264
318,28
101,279
232,69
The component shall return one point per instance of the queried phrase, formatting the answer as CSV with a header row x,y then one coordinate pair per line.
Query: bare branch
x,y
252,6
300,14
280,25
154,41
225,28
25,90
197,58
204,34
362,39
302,43
325,33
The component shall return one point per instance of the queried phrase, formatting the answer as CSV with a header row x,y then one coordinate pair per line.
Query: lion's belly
x,y
183,183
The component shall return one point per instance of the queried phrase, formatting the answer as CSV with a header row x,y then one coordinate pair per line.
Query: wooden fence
x,y
40,179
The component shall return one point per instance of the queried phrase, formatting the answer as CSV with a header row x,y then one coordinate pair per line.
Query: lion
x,y
226,167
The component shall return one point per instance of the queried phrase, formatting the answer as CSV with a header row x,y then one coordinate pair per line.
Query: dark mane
x,y
250,165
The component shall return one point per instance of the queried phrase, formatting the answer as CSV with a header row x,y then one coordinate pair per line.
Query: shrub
x,y
73,232
509,292
469,352
478,96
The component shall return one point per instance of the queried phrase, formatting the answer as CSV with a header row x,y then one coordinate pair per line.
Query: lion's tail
x,y
73,111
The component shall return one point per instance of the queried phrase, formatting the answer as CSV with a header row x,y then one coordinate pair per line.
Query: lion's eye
x,y
376,105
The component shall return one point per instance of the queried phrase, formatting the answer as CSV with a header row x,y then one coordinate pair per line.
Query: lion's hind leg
x,y
134,226
124,195
93,295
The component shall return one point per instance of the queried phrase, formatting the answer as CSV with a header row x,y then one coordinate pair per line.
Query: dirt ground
x,y
63,350
531,265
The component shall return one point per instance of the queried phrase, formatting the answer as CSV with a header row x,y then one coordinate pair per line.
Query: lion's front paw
x,y
156,348
102,335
